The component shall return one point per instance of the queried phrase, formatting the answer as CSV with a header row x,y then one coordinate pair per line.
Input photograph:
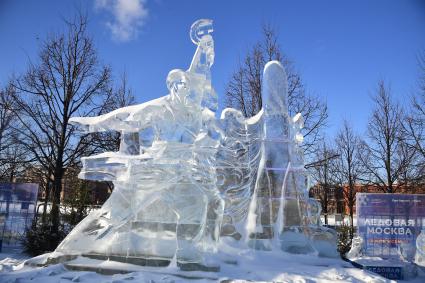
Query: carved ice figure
x,y
264,180
420,246
279,194
166,190
293,219
182,177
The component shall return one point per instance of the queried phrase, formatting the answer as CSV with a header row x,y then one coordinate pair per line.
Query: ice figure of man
x,y
173,178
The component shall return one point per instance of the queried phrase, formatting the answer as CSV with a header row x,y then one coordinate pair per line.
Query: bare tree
x,y
411,176
6,140
322,173
66,81
6,116
13,157
349,167
415,126
243,90
384,157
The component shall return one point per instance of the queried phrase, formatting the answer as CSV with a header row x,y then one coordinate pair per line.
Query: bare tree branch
x,y
67,80
384,156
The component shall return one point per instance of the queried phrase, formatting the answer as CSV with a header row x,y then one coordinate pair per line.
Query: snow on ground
x,y
254,266
251,266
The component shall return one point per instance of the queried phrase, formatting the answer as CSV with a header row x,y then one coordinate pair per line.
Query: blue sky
x,y
341,48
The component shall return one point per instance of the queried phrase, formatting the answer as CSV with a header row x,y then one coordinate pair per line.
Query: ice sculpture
x,y
420,246
184,178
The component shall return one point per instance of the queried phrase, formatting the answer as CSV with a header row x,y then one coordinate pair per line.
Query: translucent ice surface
x,y
184,179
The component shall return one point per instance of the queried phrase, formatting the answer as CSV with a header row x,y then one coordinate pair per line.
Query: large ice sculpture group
x,y
186,183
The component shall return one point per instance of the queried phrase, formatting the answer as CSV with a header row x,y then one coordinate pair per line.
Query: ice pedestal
x,y
184,178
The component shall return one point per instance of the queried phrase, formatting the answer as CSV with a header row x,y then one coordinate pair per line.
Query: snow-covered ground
x,y
237,265
251,266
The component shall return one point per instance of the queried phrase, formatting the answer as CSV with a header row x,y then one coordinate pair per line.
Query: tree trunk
x,y
57,188
12,175
47,196
351,222
352,196
325,204
46,201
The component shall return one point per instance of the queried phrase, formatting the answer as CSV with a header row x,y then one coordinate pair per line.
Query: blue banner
x,y
390,223
17,209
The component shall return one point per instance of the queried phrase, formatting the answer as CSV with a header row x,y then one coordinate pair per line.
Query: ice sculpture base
x,y
111,267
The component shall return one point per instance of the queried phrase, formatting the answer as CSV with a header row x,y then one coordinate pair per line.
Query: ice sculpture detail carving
x,y
183,178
